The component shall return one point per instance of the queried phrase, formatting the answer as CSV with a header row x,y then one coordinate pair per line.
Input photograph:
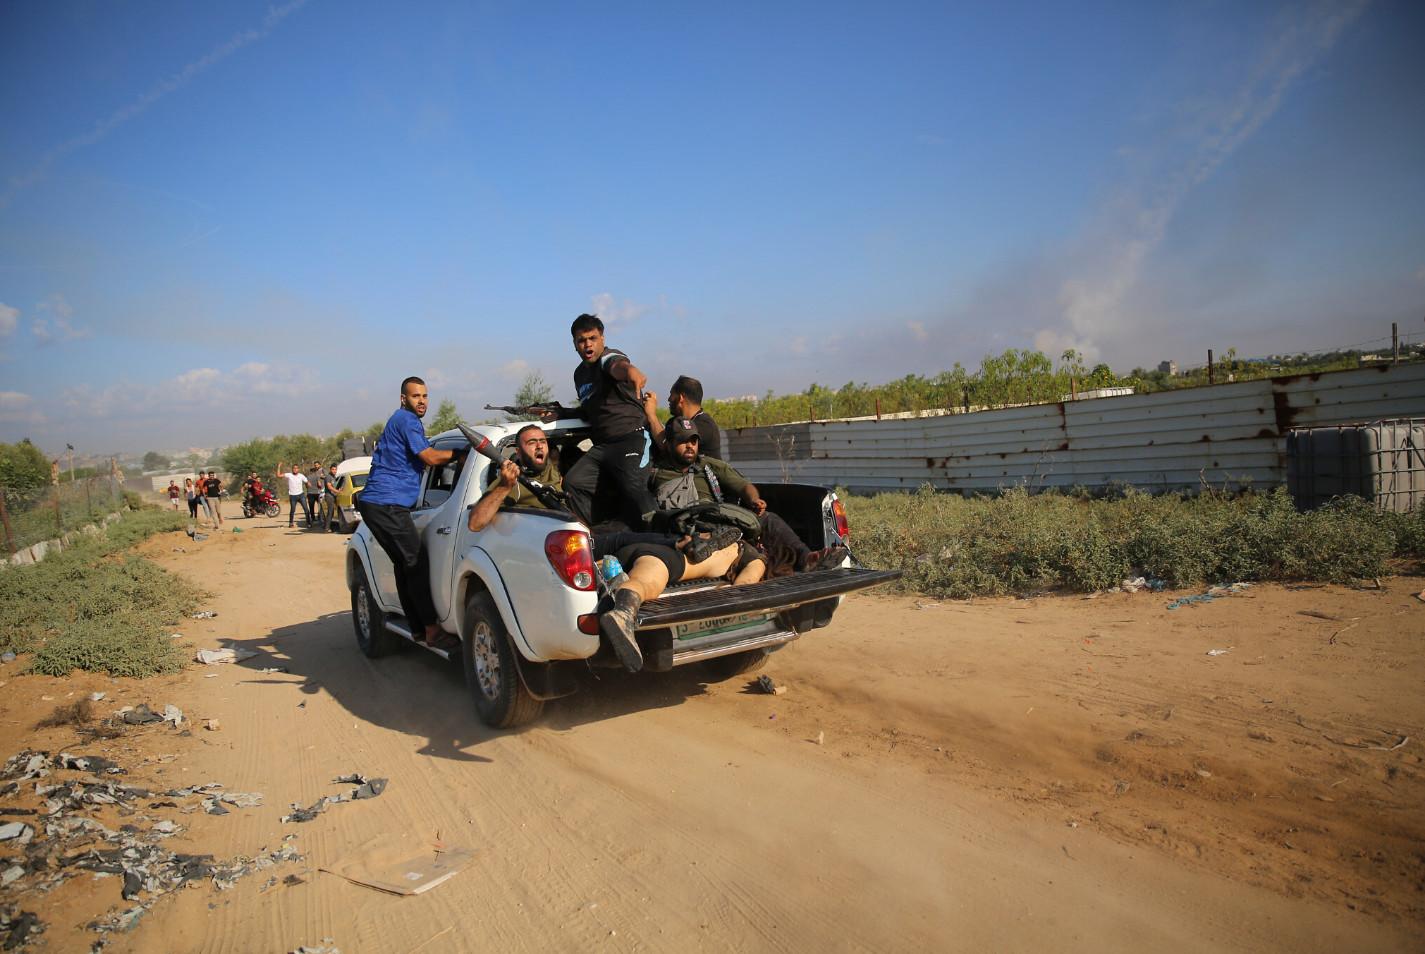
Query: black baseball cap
x,y
681,430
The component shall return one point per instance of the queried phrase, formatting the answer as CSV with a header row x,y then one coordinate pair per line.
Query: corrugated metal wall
x,y
1156,441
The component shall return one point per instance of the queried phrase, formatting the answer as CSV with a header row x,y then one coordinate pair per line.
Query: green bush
x,y
1014,542
94,606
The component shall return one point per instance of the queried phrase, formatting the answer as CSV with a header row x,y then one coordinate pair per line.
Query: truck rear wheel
x,y
501,699
735,664
372,635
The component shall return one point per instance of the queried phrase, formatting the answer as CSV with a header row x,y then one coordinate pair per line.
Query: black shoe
x,y
618,625
700,548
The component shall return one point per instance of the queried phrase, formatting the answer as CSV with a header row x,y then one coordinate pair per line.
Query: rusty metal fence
x,y
50,511
1227,434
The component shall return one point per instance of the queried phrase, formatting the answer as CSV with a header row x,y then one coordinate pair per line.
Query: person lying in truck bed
x,y
651,569
686,478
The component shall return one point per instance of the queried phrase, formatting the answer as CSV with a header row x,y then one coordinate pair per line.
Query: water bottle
x,y
611,573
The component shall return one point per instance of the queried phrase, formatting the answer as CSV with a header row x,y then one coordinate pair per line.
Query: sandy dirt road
x,y
1002,775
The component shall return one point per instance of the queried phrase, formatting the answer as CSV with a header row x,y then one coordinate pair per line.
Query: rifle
x,y
551,498
525,410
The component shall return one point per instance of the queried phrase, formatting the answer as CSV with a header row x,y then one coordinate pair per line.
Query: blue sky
x,y
221,221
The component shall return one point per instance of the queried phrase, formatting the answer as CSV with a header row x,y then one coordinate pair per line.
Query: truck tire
x,y
735,664
501,699
372,635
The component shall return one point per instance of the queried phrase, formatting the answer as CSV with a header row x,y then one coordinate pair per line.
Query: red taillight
x,y
838,517
569,554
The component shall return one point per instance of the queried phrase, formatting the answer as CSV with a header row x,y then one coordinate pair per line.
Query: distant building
x,y
1170,368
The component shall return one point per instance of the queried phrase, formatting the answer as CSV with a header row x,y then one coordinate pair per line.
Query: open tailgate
x,y
782,593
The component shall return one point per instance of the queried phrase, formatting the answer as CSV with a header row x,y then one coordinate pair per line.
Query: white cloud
x,y
614,313
17,408
254,384
9,321
52,323
514,370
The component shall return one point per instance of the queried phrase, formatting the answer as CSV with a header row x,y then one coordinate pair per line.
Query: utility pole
x,y
1209,366
1394,343
71,463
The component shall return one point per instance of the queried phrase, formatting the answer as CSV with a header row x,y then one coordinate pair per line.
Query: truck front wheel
x,y
501,699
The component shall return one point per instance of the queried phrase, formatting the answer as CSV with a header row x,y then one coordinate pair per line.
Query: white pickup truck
x,y
522,593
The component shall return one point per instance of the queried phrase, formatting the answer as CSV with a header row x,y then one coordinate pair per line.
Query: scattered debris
x,y
367,788
1214,592
212,725
821,738
327,948
97,696
205,614
765,685
216,657
271,669
71,842
179,550
7,656
1217,652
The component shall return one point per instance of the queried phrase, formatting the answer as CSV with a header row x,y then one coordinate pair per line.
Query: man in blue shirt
x,y
401,456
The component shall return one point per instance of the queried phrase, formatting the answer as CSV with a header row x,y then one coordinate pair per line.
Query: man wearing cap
x,y
610,392
685,399
687,478
402,455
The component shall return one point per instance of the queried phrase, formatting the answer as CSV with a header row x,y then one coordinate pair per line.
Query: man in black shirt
x,y
685,399
610,392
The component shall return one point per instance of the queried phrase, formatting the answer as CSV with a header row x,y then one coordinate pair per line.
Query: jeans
x,y
312,508
293,502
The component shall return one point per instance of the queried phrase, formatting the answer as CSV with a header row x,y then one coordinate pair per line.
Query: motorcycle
x,y
260,501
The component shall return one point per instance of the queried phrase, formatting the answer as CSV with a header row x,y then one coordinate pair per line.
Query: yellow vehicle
x,y
350,478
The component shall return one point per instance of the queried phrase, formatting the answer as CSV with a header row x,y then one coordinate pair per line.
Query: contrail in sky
x,y
159,90
1091,308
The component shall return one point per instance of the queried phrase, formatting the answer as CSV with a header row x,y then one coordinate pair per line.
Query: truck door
x,y
438,516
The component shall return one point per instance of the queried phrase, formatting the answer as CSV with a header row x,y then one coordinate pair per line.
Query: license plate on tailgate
x,y
723,624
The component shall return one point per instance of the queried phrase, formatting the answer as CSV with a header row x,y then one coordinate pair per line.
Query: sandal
x,y
443,641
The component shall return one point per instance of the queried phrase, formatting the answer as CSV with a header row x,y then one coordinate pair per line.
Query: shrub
x,y
95,607
1014,542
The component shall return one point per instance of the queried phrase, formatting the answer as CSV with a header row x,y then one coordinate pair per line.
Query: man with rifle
x,y
533,480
